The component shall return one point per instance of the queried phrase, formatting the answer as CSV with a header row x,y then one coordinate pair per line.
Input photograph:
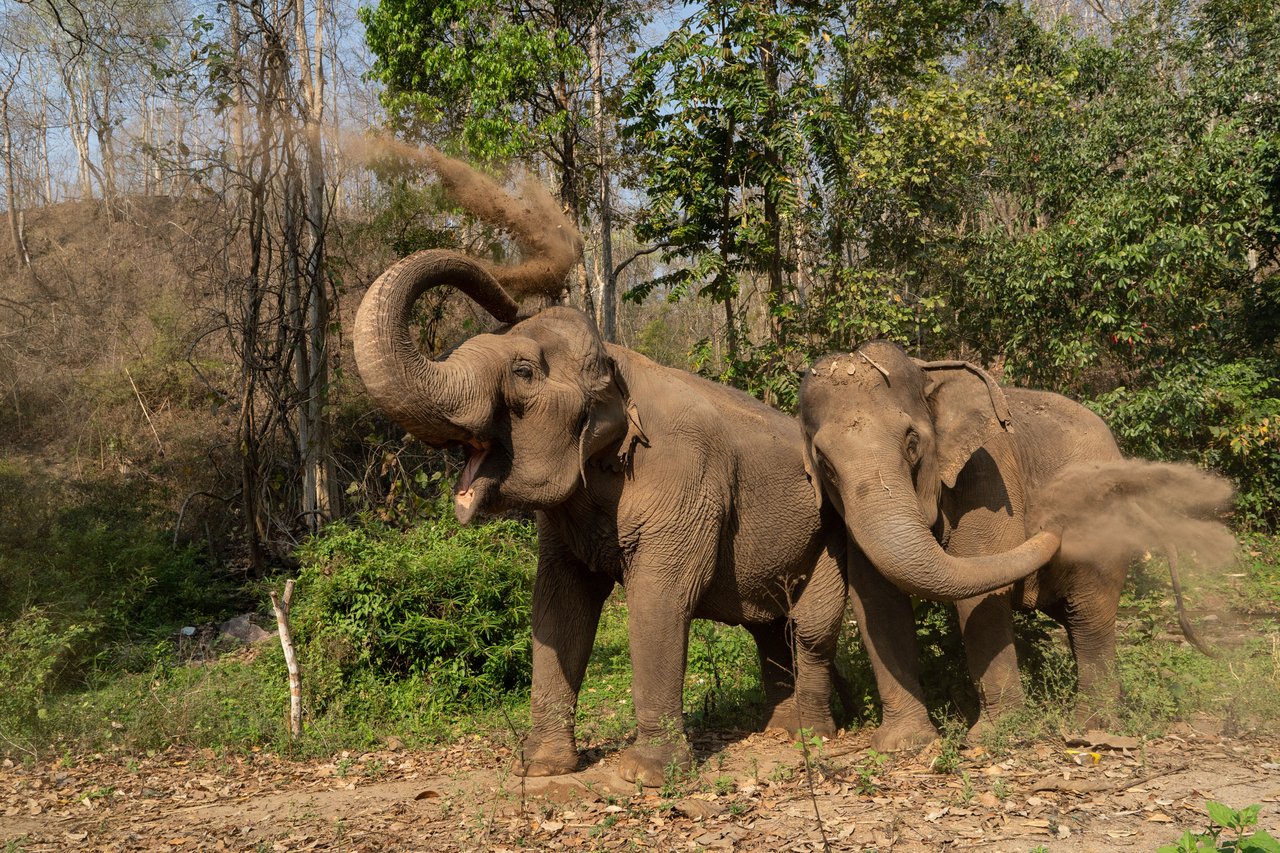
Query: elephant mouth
x,y
474,487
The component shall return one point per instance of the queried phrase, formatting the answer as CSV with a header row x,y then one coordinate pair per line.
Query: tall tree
x,y
720,111
507,81
276,310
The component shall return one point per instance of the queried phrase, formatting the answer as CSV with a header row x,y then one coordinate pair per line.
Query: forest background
x,y
1081,197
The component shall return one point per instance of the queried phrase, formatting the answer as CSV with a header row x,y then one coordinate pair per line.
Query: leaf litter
x,y
463,797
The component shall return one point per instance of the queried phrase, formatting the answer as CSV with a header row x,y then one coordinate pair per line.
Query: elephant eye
x,y
523,369
913,445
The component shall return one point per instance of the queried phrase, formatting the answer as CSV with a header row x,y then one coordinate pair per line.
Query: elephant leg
x,y
988,506
986,624
777,673
887,625
567,600
797,654
658,628
816,620
1091,630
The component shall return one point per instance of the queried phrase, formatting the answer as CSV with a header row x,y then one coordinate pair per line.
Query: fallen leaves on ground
x,y
754,793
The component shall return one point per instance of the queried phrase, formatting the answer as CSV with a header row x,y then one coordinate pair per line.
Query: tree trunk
x,y
772,219
319,494
78,126
10,174
606,276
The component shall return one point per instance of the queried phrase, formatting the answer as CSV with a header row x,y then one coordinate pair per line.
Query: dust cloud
x,y
549,243
1122,509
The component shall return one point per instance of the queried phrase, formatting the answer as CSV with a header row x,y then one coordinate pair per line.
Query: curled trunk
x,y
889,529
439,401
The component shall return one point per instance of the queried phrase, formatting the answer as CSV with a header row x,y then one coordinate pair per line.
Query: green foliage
x,y
32,652
720,112
480,71
722,681
866,773
1122,209
92,560
443,604
1221,819
1221,416
236,702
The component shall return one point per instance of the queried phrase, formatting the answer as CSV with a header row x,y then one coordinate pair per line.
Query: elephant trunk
x,y
438,402
886,523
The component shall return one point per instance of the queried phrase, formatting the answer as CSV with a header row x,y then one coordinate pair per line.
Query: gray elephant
x,y
938,471
691,495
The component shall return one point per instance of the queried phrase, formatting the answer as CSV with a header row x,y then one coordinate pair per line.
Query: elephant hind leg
x,y
797,680
777,674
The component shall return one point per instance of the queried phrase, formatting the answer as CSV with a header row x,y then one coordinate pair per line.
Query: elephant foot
x,y
647,764
786,717
893,736
1091,714
989,723
549,757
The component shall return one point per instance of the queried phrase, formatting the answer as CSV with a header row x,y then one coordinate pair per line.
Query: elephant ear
x,y
613,418
969,410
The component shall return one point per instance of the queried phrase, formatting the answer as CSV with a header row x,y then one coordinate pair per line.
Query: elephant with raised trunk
x,y
938,473
689,494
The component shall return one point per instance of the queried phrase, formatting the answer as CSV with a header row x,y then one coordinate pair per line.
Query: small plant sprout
x,y
966,788
867,773
1222,820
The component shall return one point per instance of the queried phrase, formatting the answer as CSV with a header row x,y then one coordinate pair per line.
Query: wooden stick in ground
x,y
290,659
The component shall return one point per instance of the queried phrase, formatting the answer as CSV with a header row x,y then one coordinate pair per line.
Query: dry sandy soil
x,y
753,794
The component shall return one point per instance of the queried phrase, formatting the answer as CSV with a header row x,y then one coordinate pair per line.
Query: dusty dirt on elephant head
x,y
1121,509
549,243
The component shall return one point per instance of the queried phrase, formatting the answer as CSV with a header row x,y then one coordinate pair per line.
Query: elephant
x,y
691,495
933,464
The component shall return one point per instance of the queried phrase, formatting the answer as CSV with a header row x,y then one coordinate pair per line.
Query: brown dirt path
x,y
752,795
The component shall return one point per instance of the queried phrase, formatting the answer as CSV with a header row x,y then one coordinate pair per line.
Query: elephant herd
x,y
899,478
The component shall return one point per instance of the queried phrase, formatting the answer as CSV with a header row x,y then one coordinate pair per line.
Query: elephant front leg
x,y
887,625
658,628
567,600
1091,630
986,624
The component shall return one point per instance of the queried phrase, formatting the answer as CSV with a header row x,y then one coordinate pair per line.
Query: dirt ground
x,y
753,794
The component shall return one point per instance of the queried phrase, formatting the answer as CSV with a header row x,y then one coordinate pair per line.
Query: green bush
x,y
444,605
94,557
32,653
1223,416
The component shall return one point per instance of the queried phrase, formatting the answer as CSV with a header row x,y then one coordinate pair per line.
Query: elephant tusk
x,y
582,451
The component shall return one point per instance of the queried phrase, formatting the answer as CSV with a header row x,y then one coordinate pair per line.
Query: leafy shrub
x,y
1225,417
442,604
32,652
94,557
1222,818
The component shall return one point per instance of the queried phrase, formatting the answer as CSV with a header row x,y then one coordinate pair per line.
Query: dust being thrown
x,y
549,243
1124,508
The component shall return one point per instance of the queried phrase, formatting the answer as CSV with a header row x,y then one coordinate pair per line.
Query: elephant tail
x,y
1184,622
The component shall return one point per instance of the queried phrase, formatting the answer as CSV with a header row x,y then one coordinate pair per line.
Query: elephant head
x,y
883,435
529,404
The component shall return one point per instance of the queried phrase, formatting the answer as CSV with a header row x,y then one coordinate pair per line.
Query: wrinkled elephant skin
x,y
690,495
935,469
